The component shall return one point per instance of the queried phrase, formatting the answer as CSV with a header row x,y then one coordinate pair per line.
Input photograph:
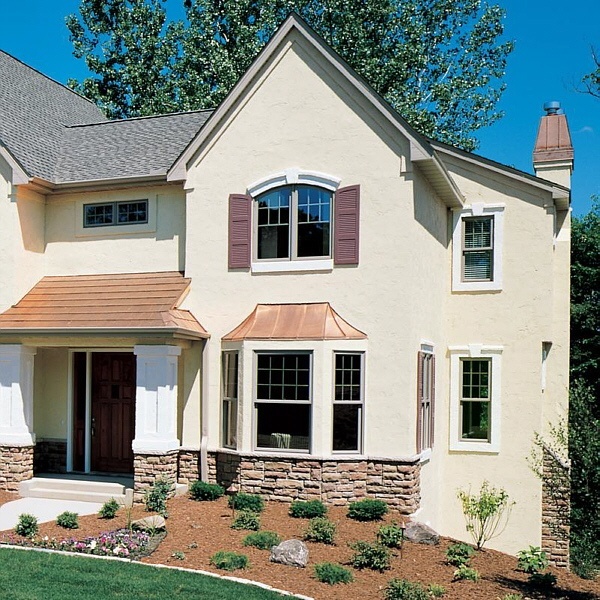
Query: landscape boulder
x,y
149,524
290,552
421,533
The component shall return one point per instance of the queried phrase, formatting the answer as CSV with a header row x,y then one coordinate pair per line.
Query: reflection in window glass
x,y
475,399
274,223
348,402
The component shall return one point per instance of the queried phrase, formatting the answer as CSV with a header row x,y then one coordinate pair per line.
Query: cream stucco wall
x,y
50,404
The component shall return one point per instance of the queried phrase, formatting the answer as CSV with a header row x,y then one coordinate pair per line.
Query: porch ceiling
x,y
135,302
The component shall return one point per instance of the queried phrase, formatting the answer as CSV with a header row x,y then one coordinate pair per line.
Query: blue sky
x,y
553,40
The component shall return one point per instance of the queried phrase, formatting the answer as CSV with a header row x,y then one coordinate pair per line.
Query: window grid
x,y
230,361
478,249
426,397
348,402
475,399
115,213
283,377
348,371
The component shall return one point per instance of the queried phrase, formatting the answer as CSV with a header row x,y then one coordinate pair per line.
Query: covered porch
x,y
99,374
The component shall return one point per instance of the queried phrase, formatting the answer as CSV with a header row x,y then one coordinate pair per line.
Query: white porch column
x,y
16,395
156,399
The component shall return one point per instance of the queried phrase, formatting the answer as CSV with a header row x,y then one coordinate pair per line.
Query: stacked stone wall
x,y
50,456
16,465
147,468
335,482
188,469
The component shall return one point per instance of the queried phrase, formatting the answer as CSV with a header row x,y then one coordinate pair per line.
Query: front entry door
x,y
113,411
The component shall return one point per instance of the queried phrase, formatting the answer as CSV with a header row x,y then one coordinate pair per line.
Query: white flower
x,y
92,544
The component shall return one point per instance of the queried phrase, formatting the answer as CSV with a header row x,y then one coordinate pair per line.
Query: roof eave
x,y
19,175
99,331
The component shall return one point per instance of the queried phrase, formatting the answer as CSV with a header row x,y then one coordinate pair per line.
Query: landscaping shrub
x,y
310,509
155,498
320,529
244,501
246,519
485,512
464,572
332,573
263,540
436,591
459,554
370,555
179,555
512,597
543,580
27,525
533,560
202,491
229,561
109,509
367,510
391,535
402,589
68,520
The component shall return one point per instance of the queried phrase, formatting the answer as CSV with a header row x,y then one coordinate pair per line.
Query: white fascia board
x,y
19,175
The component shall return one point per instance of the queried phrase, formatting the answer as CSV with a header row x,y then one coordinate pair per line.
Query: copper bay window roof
x,y
139,301
316,321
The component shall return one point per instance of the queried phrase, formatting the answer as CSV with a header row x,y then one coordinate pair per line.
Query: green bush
x,y
543,580
202,491
436,591
533,560
263,540
244,501
402,589
229,561
68,520
391,535
367,510
332,573
320,529
310,509
246,519
155,498
370,555
512,597
459,554
109,509
27,525
464,572
179,555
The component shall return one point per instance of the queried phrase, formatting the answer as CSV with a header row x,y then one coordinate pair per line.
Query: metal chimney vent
x,y
553,108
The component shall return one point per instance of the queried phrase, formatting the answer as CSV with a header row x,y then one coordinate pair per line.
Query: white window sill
x,y
425,455
291,266
477,286
480,447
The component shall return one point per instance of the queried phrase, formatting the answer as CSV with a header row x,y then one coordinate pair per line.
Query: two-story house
x,y
296,293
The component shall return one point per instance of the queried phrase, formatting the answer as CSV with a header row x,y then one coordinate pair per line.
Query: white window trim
x,y
294,176
291,266
475,351
427,348
477,209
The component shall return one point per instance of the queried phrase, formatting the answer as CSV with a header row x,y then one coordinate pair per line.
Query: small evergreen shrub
x,y
320,529
332,573
155,498
459,554
68,520
465,572
263,540
543,580
246,519
402,589
391,535
244,501
370,555
202,491
310,509
27,525
436,591
229,561
109,509
533,560
367,510
179,555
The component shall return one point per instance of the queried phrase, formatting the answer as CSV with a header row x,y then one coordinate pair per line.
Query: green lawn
x,y
26,575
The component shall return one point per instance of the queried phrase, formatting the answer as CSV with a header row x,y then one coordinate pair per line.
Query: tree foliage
x,y
591,81
438,62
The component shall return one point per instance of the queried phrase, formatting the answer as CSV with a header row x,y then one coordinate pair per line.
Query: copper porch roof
x,y
294,322
145,301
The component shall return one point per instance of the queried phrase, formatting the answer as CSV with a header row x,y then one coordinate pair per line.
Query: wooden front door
x,y
113,411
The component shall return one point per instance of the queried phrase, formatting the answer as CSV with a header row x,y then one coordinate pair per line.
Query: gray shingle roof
x,y
57,135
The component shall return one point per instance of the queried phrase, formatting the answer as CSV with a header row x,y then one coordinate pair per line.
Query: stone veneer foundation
x,y
189,466
337,482
556,508
16,465
50,456
147,468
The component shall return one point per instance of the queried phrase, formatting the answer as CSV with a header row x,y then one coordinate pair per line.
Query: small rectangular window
x,y
475,399
348,402
115,213
230,399
478,250
426,396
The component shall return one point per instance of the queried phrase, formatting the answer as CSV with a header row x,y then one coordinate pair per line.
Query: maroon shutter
x,y
346,225
432,406
420,360
240,231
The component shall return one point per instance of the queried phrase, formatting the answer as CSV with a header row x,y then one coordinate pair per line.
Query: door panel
x,y
113,411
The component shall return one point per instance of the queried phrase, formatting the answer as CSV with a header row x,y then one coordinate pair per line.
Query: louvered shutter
x,y
346,226
420,358
240,231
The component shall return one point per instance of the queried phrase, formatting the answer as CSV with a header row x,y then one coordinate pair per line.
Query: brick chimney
x,y
553,152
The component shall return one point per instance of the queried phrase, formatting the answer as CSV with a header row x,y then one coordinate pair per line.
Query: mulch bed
x,y
199,529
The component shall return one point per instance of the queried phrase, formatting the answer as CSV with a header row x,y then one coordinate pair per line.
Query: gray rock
x,y
421,534
153,523
290,552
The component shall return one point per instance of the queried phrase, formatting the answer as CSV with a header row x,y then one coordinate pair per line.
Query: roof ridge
x,y
129,119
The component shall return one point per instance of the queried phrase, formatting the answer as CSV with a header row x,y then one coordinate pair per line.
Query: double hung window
x,y
475,399
478,249
425,400
348,402
230,399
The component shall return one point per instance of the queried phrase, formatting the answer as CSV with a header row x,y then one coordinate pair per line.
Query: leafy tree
x,y
438,62
591,81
